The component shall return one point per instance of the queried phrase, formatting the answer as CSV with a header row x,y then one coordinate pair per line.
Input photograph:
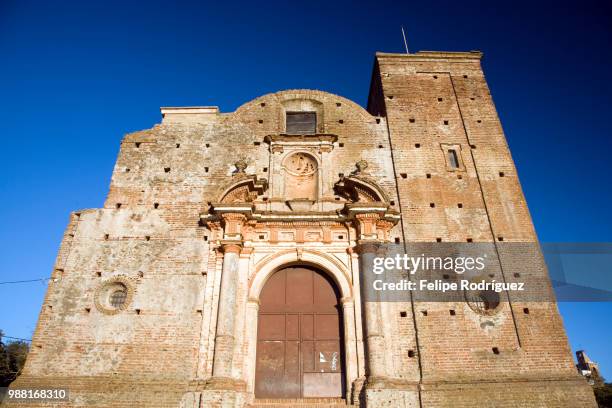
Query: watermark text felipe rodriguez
x,y
444,286
459,265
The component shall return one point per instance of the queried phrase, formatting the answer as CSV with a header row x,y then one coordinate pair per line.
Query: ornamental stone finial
x,y
241,166
361,165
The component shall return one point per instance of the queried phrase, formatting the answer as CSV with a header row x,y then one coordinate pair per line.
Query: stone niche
x,y
301,178
298,164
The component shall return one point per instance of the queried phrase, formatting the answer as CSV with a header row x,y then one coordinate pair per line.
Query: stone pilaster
x,y
222,390
350,342
381,389
224,339
374,334
252,312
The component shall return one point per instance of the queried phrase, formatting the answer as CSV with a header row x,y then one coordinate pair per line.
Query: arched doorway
x,y
299,342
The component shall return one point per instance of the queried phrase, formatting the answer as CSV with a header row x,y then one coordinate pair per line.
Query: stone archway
x,y
300,345
350,311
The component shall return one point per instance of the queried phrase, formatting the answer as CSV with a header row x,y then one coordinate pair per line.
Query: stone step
x,y
300,403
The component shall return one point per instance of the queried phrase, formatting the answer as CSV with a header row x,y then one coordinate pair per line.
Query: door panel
x,y
326,327
271,327
299,344
308,356
327,356
299,287
292,378
293,326
322,385
324,295
270,368
307,327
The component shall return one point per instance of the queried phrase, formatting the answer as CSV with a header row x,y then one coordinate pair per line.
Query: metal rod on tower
x,y
405,42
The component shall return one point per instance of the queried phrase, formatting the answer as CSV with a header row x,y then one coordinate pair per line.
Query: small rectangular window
x,y
301,123
453,160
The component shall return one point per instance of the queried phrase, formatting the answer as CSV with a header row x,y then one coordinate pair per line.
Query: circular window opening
x,y
118,297
114,296
484,302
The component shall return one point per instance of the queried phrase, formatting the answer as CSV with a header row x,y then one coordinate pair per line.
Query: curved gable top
x,y
322,97
361,188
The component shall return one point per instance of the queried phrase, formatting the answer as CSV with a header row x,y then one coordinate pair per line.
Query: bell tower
x,y
456,183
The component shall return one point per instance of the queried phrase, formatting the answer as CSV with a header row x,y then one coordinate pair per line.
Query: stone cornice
x,y
434,55
318,138
381,211
323,141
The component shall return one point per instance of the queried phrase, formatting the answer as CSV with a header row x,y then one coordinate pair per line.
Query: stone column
x,y
224,339
222,390
350,341
225,388
252,315
374,334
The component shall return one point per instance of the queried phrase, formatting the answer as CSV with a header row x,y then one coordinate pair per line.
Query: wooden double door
x,y
299,342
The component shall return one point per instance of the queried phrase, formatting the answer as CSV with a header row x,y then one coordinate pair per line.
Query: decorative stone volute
x,y
242,189
360,187
369,206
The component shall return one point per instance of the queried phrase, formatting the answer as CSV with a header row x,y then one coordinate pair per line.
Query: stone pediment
x,y
360,187
243,189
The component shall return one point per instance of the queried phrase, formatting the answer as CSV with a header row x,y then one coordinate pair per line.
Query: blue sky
x,y
76,76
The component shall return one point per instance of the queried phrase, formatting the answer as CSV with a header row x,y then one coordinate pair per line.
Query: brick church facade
x,y
224,269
